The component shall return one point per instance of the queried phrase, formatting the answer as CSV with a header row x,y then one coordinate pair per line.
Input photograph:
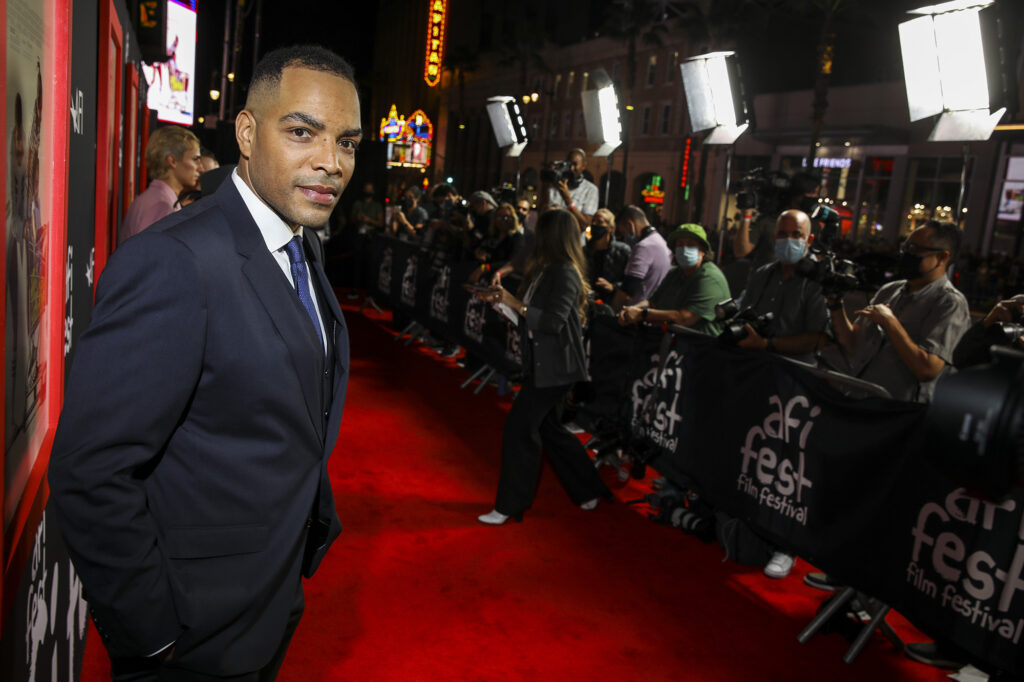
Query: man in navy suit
x,y
189,469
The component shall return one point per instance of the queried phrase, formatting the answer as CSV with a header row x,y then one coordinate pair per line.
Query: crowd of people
x,y
565,260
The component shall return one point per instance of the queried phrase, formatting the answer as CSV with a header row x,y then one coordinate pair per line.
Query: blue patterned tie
x,y
295,255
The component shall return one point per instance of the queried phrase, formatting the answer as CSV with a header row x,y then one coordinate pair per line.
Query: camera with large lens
x,y
735,321
454,207
504,194
556,172
975,429
1006,333
835,275
762,190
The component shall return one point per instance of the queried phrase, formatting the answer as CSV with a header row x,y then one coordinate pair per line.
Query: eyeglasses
x,y
918,249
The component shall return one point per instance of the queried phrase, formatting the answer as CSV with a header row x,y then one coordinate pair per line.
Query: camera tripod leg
x,y
472,378
484,380
865,633
408,329
831,608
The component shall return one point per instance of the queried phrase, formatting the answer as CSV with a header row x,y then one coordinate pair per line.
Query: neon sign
x,y
410,140
684,181
653,193
436,19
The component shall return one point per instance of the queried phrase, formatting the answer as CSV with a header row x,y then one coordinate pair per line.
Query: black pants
x,y
152,670
535,420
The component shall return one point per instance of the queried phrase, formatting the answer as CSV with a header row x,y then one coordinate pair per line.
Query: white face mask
x,y
687,256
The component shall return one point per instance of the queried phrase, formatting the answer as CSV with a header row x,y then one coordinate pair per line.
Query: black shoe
x,y
822,581
931,653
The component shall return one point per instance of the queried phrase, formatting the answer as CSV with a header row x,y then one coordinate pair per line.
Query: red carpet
x,y
416,589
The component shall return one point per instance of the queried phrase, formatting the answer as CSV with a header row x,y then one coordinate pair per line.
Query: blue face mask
x,y
687,256
789,251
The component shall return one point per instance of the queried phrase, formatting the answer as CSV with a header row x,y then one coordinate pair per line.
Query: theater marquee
x,y
436,20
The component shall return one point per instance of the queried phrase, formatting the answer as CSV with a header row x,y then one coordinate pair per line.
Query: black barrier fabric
x,y
426,285
848,485
843,482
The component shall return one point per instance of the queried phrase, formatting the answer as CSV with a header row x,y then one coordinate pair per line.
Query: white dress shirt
x,y
277,235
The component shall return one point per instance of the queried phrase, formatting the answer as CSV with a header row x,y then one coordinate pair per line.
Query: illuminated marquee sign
x,y
410,140
653,194
830,162
436,19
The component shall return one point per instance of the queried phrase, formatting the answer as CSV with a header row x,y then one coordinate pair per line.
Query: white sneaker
x,y
779,565
589,505
496,518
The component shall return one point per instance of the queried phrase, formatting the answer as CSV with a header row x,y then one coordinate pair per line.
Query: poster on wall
x,y
1011,201
172,82
37,120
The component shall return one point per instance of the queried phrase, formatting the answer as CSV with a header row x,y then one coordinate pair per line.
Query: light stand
x,y
601,115
951,70
509,128
715,100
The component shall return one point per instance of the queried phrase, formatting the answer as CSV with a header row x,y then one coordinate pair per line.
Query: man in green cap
x,y
690,291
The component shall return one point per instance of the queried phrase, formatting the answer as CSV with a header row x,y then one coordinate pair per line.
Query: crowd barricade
x,y
845,483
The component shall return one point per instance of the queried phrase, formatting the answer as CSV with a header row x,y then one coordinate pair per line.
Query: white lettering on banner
x,y
384,275
778,483
439,295
658,421
78,111
69,319
473,323
973,585
409,281
513,349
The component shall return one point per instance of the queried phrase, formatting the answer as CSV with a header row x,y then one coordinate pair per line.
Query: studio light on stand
x,y
601,119
715,100
509,127
952,69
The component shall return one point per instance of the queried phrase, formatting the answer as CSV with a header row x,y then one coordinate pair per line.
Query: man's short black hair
x,y
269,69
415,191
633,213
443,190
946,235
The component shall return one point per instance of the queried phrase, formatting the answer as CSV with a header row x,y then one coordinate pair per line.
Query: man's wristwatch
x,y
769,345
643,313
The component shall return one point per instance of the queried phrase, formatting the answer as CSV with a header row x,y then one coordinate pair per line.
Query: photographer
x,y
606,257
649,261
688,294
564,185
408,222
505,238
904,339
753,238
800,316
1001,327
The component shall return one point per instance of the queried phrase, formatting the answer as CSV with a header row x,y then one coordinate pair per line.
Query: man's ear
x,y
245,131
172,161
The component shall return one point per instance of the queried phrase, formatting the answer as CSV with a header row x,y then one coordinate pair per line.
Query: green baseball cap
x,y
689,230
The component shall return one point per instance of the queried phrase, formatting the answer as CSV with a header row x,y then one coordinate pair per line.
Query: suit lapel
x,y
278,298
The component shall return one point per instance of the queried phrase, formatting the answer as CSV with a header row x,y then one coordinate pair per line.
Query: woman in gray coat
x,y
550,303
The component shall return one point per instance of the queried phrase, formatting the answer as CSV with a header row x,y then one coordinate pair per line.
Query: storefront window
x,y
932,191
874,196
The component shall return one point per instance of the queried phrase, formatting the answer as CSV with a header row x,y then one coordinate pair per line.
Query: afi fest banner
x,y
843,482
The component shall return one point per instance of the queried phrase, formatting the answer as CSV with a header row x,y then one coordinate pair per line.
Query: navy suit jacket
x,y
189,468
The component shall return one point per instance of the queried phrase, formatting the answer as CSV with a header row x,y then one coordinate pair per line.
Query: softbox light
x,y
507,123
714,96
947,72
601,114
